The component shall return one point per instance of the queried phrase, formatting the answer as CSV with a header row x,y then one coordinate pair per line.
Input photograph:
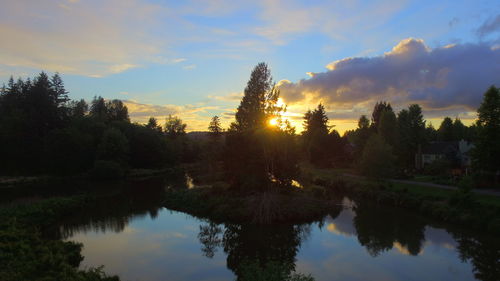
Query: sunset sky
x,y
193,58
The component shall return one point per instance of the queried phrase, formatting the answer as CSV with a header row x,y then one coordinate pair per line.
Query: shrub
x,y
107,170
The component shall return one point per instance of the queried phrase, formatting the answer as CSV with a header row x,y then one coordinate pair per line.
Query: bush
x,y
107,170
377,159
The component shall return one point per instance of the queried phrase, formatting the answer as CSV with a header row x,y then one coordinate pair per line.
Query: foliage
x,y
377,159
214,128
411,134
258,155
174,127
378,110
26,255
43,131
486,155
272,271
107,170
387,126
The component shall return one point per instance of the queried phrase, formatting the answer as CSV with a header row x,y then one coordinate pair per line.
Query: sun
x,y
273,122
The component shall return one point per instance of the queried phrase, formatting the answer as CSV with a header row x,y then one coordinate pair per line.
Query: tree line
x,y
43,131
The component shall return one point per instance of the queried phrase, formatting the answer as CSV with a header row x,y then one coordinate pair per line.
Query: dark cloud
x,y
489,27
452,76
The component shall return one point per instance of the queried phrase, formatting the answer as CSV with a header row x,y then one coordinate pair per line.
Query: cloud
x,y
197,117
232,97
490,26
92,38
189,67
411,72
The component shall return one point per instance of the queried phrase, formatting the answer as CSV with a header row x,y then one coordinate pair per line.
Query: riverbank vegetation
x,y
26,253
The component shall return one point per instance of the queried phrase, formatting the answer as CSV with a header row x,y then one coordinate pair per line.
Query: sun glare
x,y
273,122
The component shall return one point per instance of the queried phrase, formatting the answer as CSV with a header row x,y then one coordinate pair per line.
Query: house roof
x,y
440,147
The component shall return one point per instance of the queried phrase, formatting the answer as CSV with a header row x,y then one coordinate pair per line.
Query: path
x,y
430,184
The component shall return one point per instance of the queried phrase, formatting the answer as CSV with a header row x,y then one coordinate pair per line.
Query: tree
x,y
214,128
378,110
486,155
98,109
258,154
259,102
377,159
445,131
174,127
114,146
315,136
459,130
411,131
388,126
153,125
116,111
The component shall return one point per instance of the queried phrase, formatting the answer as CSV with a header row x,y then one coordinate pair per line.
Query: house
x,y
456,152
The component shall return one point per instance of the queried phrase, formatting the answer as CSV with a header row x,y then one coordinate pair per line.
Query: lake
x,y
134,236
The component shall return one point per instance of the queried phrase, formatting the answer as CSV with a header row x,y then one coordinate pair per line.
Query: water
x,y
133,236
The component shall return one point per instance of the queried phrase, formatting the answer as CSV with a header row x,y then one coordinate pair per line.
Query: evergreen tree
x,y
486,155
258,154
411,131
378,110
214,128
387,126
445,131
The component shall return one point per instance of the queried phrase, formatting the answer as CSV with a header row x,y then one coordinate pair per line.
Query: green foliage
x,y
387,126
114,146
486,155
439,167
26,255
377,160
107,170
378,110
411,134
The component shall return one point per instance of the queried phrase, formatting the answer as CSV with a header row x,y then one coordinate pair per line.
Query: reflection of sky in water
x,y
168,248
334,253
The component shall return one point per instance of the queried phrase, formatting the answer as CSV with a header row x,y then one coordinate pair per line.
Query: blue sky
x,y
193,58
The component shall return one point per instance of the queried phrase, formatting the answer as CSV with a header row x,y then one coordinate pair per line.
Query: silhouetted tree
x,y
445,131
411,130
214,128
486,155
378,110
174,127
315,136
388,126
258,154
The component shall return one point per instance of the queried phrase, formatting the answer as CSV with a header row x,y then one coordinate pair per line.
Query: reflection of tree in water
x,y
250,244
112,212
482,252
210,238
379,228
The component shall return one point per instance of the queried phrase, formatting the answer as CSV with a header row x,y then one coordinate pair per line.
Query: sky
x,y
193,58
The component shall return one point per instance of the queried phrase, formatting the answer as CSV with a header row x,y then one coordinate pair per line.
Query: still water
x,y
133,236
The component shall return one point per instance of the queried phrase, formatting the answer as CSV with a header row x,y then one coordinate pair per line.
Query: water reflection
x,y
133,235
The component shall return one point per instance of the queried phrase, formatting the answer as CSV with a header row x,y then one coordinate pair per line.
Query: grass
x,y
468,209
26,254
